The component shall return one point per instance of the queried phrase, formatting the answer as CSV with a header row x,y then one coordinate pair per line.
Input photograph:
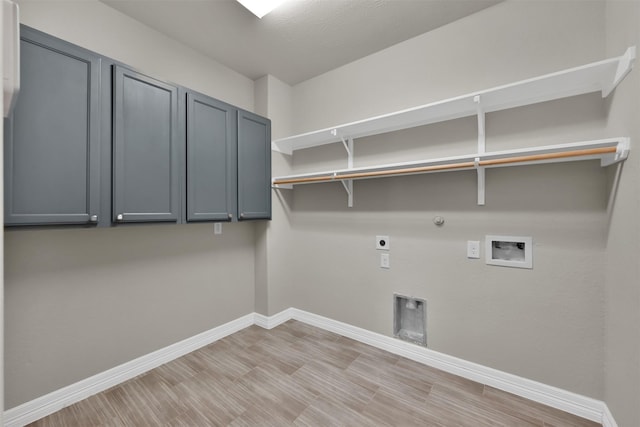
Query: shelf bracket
x,y
348,186
481,148
348,145
481,122
348,183
624,67
480,171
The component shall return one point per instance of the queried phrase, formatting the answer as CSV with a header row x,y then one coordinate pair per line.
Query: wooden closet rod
x,y
452,166
549,156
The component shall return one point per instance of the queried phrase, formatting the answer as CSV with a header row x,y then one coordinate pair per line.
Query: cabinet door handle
x,y
120,217
242,215
230,216
94,218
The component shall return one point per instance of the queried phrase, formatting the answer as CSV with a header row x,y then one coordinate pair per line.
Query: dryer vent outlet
x,y
410,319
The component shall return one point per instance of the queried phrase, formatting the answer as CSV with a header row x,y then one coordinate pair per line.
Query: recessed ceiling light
x,y
261,7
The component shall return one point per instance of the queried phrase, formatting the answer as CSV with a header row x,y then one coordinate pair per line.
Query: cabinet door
x,y
211,159
52,139
145,148
254,166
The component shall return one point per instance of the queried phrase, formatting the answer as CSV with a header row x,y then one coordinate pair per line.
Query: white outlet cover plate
x,y
385,262
383,243
473,249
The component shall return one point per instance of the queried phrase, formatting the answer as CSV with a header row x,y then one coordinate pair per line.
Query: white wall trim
x,y
48,404
607,418
567,401
270,322
592,409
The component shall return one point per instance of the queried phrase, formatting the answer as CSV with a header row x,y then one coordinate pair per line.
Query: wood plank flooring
x,y
298,375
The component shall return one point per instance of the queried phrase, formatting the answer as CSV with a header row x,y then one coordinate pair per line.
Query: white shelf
x,y
608,151
602,76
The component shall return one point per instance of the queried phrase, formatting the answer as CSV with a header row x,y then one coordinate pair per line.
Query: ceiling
x,y
302,38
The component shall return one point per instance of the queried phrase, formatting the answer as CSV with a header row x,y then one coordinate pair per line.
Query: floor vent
x,y
409,319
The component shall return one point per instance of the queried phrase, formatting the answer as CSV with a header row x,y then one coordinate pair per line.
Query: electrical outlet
x,y
384,261
383,243
217,228
473,249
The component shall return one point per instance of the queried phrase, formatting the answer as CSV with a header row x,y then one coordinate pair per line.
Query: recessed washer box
x,y
509,251
410,319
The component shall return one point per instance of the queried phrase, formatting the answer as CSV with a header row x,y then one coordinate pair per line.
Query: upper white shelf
x,y
602,76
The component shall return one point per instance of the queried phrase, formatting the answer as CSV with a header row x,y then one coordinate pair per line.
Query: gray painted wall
x,y
545,324
569,322
622,292
274,99
81,301
95,26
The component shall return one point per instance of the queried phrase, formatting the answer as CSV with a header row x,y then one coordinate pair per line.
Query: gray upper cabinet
x,y
91,141
211,159
52,139
146,167
254,166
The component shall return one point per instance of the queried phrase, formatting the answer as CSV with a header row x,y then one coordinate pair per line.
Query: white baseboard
x,y
607,418
567,401
573,403
48,404
270,322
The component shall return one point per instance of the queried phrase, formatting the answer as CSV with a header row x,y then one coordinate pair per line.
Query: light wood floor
x,y
299,375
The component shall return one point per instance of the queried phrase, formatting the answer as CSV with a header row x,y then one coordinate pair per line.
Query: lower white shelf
x,y
608,151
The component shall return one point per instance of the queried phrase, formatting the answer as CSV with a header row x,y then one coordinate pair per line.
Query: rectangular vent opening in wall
x,y
409,319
